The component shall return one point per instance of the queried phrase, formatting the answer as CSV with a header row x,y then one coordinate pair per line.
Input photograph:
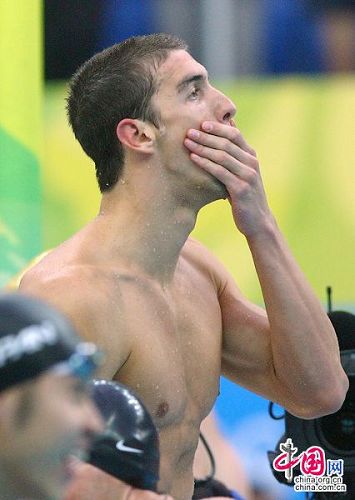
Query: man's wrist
x,y
266,231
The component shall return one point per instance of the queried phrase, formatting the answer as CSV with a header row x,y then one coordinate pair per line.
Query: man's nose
x,y
225,109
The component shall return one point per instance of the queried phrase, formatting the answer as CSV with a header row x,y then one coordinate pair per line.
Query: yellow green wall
x,y
21,92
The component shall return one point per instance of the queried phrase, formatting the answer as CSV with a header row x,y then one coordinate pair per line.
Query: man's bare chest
x,y
176,351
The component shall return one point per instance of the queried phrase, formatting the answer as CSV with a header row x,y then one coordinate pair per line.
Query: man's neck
x,y
147,227
146,218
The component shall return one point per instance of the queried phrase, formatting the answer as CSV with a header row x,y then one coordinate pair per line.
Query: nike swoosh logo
x,y
122,447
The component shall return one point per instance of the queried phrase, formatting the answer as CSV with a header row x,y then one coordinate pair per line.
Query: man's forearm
x,y
304,345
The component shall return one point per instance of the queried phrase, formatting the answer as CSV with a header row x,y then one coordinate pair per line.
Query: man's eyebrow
x,y
190,79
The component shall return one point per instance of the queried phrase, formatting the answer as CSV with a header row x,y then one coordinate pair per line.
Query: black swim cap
x,y
128,449
35,338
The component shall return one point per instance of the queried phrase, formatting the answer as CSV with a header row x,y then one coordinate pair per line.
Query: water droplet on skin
x,y
123,181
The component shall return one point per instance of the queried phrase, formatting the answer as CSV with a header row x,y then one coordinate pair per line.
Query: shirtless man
x,y
169,316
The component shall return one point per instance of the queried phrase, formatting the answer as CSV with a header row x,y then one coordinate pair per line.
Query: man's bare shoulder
x,y
199,256
54,274
89,295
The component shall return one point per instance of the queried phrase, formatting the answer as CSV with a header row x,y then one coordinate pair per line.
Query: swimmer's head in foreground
x,y
46,413
128,449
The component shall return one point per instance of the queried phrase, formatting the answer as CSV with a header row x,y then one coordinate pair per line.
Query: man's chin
x,y
216,189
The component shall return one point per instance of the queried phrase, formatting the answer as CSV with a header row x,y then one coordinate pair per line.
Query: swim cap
x,y
35,338
129,446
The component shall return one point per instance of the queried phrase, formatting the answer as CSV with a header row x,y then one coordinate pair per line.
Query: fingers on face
x,y
225,151
218,157
230,132
247,177
207,155
220,173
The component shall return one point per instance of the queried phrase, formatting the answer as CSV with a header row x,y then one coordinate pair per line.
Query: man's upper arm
x,y
246,345
94,315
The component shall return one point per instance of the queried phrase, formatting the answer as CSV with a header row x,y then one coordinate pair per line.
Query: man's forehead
x,y
178,65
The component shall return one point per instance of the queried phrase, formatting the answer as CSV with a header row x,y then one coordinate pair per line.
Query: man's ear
x,y
136,134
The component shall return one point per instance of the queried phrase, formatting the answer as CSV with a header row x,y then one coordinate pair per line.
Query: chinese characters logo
x,y
317,473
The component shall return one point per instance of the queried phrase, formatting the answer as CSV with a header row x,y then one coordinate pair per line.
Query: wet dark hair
x,y
114,84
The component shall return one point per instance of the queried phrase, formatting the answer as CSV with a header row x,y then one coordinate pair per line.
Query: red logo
x,y
312,461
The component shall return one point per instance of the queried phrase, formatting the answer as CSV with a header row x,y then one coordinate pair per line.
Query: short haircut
x,y
114,84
